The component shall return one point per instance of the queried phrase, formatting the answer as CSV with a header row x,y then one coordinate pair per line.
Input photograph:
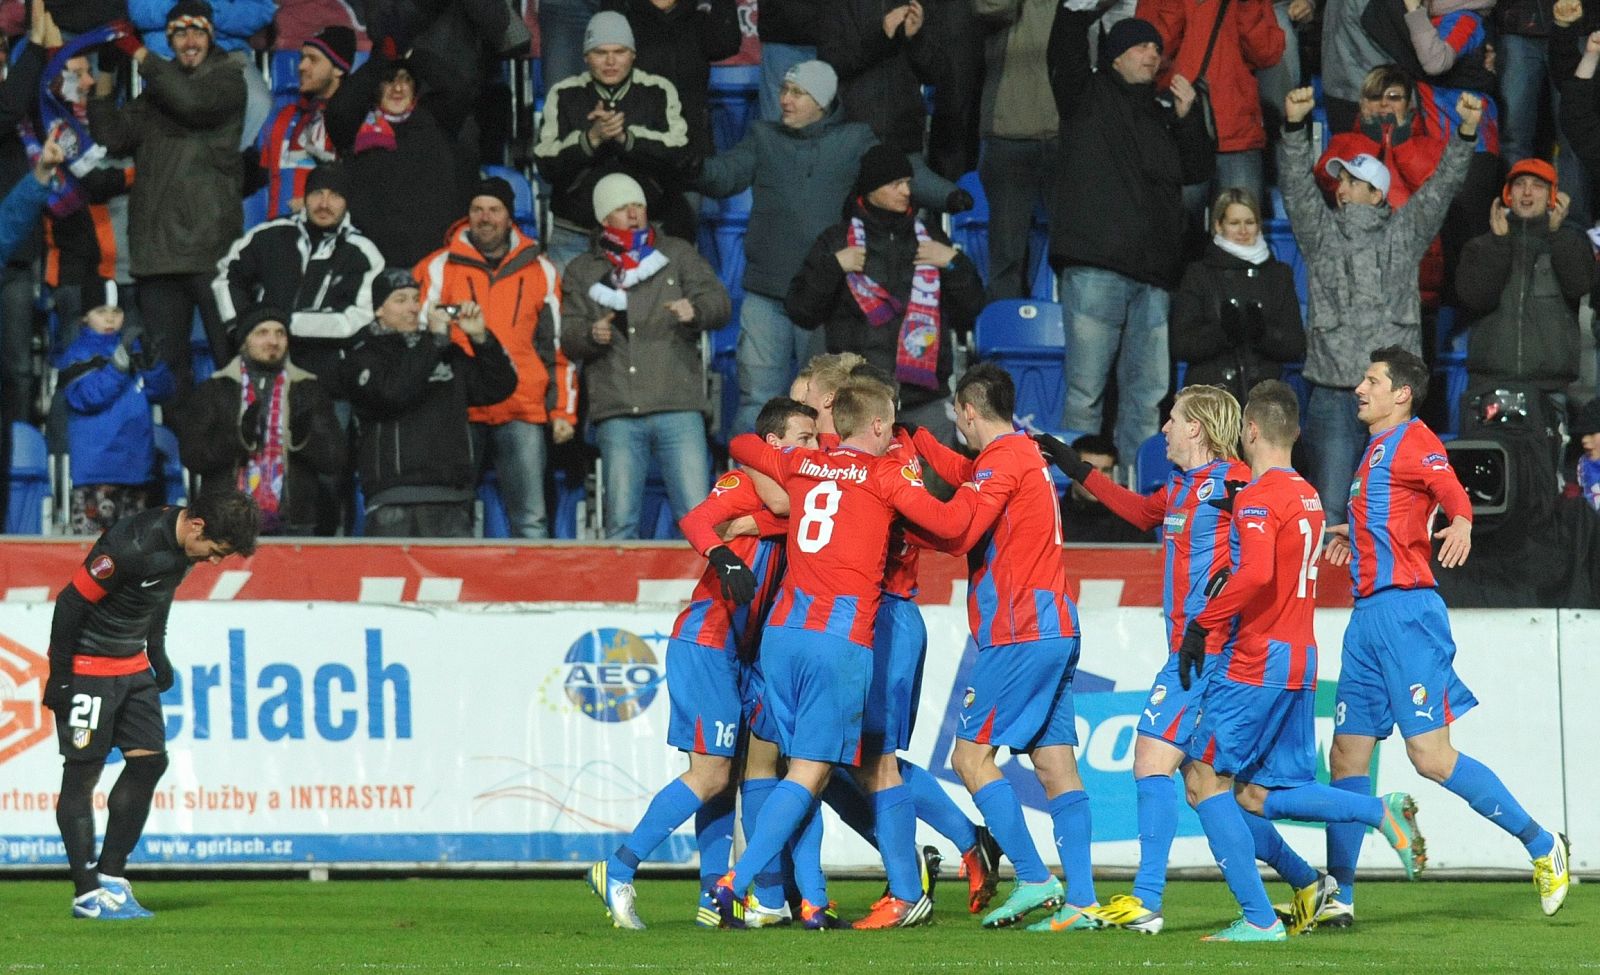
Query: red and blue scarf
x,y
916,359
633,258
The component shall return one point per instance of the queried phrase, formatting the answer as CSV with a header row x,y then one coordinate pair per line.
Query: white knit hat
x,y
615,190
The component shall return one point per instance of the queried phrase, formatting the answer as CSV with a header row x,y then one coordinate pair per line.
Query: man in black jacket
x,y
1116,229
315,266
411,389
679,40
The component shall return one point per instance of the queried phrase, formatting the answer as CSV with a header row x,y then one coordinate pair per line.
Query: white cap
x,y
1365,168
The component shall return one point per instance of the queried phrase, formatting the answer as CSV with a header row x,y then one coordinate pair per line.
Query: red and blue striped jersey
x,y
1463,32
1017,589
711,620
900,566
1262,619
1193,511
842,502
1404,473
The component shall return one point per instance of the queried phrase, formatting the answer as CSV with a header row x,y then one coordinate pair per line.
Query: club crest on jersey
x,y
1205,490
729,481
1159,692
1377,456
1419,695
102,567
80,738
910,473
968,698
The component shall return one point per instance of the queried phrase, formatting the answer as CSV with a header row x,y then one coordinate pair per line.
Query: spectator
x,y
297,138
634,308
1580,101
395,123
1236,317
1522,282
788,30
678,40
183,134
1388,128
314,265
411,390
492,267
561,27
886,286
1583,479
1019,135
1084,518
1117,226
883,57
1361,270
110,385
265,426
802,169
1223,55
1275,83
230,25
613,118
1348,53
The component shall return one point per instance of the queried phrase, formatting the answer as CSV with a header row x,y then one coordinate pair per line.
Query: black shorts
x,y
106,712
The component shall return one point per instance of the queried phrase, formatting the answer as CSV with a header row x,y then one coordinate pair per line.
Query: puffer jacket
x,y
1361,261
820,296
411,393
1250,40
213,445
110,433
522,307
679,44
1234,322
1524,289
183,133
652,364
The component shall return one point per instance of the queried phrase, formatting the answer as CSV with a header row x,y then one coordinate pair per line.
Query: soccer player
x,y
1255,732
108,668
1026,630
1398,665
816,648
703,680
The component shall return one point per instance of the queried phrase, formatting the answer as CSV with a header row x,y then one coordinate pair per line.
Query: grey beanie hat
x,y
815,78
608,27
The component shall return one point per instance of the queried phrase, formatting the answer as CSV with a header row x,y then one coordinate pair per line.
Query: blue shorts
x,y
753,692
1398,667
703,685
816,692
1020,695
1170,712
1262,735
900,639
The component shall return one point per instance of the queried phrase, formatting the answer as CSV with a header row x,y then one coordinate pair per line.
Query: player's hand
x,y
1337,548
1063,457
1298,104
738,582
161,670
561,430
1191,654
58,693
1457,539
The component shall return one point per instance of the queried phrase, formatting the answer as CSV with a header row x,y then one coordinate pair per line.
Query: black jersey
x,y
117,602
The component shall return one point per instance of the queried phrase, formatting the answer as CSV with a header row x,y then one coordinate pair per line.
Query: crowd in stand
x,y
390,331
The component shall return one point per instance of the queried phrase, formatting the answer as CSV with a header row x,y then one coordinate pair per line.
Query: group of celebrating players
x,y
801,654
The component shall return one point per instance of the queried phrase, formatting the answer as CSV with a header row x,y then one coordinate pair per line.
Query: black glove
x,y
738,582
1220,577
161,670
1230,491
58,692
1064,457
250,424
959,201
1191,653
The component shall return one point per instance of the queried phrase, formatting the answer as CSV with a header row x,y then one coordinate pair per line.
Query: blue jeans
x,y
776,60
564,244
561,24
1114,320
517,451
771,351
1334,441
1524,77
677,443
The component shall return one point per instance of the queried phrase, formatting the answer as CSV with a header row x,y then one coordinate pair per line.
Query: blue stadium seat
x,y
569,492
1151,467
495,524
1280,240
526,212
655,512
970,231
30,481
173,476
1027,339
1450,364
733,97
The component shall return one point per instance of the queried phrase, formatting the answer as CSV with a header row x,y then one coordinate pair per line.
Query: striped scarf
x,y
263,472
916,359
633,258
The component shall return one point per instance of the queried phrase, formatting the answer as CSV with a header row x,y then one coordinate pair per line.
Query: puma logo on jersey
x,y
1425,714
1151,715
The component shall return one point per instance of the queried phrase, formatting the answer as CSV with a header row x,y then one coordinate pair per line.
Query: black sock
x,y
75,817
129,805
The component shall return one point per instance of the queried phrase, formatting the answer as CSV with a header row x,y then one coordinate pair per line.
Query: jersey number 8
x,y
816,526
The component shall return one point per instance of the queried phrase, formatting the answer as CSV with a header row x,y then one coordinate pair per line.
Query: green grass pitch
x,y
283,927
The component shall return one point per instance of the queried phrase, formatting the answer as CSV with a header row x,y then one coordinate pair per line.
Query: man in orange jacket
x,y
488,261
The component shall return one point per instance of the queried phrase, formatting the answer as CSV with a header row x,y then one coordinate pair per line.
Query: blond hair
x,y
1275,410
828,372
1221,421
855,405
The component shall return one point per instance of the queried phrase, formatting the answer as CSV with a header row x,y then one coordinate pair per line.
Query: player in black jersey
x,y
108,667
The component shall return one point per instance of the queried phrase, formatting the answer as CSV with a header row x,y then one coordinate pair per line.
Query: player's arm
x,y
771,492
981,506
73,606
155,646
952,466
699,526
1439,480
1143,513
752,451
1229,591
